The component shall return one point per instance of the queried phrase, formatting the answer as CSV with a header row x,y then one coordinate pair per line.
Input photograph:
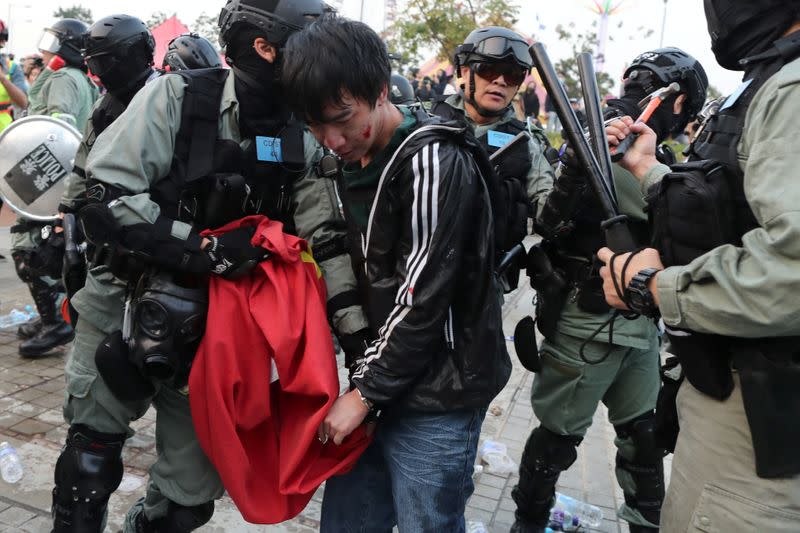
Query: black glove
x,y
354,345
231,254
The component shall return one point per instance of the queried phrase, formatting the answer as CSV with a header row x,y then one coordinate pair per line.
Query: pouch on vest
x,y
770,373
692,211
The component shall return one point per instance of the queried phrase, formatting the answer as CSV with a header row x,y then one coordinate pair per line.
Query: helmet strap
x,y
470,98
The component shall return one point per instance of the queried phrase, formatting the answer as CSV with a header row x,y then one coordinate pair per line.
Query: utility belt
x,y
24,225
769,369
555,276
698,207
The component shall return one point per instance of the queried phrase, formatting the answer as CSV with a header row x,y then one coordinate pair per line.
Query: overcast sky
x,y
685,24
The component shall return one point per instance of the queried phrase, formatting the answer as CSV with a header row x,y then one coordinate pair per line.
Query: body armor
x,y
702,205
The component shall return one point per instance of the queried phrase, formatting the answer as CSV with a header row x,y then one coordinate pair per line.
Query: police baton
x,y
74,273
615,227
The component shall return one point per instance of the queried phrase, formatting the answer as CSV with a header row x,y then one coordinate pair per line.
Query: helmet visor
x,y
101,64
49,42
501,47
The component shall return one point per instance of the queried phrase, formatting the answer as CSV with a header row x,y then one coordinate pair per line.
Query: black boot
x,y
29,329
546,455
179,519
54,331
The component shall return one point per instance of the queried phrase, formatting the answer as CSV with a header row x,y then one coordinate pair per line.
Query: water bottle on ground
x,y
17,317
570,514
10,464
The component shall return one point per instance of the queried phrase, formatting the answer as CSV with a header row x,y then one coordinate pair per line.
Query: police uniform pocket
x,y
79,379
722,511
554,392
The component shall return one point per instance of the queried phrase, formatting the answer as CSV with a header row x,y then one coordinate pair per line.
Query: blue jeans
x,y
417,474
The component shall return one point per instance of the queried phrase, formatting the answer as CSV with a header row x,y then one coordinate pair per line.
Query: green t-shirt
x,y
360,183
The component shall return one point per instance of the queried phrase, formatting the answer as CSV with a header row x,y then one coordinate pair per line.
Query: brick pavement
x,y
31,393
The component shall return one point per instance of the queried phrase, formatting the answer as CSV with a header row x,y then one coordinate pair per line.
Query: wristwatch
x,y
373,412
638,295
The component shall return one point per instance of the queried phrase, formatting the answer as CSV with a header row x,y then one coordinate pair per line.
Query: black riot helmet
x,y
658,68
190,51
65,39
119,50
277,19
493,45
485,46
743,28
400,91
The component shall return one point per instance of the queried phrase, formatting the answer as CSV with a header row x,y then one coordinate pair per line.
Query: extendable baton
x,y
617,233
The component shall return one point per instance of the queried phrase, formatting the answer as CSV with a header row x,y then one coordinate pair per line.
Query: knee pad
x,y
22,265
180,518
645,467
88,470
546,455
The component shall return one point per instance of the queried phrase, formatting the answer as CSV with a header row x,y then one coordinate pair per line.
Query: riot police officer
x,y
190,51
197,162
401,92
493,62
119,51
726,229
590,354
63,91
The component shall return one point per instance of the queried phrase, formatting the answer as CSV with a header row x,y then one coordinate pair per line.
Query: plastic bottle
x,y
571,514
15,318
10,464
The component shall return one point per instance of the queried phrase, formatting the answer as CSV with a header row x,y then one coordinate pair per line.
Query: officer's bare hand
x,y
640,158
346,414
647,258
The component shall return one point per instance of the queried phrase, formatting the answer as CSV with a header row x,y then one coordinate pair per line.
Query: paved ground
x,y
31,394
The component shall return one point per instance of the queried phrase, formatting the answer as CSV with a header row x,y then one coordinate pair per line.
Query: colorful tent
x,y
164,33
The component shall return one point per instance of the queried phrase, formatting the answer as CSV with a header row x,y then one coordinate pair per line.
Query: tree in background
x,y
157,18
586,41
443,25
75,12
206,26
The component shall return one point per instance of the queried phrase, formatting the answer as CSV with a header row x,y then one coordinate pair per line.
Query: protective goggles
x,y
512,73
49,42
502,47
101,64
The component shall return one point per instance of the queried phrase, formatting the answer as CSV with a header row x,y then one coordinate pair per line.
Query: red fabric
x,y
163,33
262,438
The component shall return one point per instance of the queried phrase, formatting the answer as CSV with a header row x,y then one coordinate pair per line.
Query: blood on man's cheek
x,y
367,133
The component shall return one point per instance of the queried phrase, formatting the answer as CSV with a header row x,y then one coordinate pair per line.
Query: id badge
x,y
498,139
268,149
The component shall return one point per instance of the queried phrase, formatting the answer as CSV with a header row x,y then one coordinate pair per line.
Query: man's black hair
x,y
331,57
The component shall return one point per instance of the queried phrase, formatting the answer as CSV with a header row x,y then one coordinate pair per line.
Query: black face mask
x,y
741,29
664,122
260,101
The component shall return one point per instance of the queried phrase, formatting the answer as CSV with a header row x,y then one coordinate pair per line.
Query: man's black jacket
x,y
429,270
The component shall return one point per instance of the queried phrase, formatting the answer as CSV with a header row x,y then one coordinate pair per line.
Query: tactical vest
x,y
214,181
512,170
700,206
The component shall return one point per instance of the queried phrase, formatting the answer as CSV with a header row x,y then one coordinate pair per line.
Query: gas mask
x,y
168,322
